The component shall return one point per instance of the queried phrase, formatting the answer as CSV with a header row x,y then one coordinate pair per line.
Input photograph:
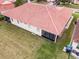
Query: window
x,y
17,21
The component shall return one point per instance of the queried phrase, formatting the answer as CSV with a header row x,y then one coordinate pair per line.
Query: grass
x,y
54,51
75,6
16,43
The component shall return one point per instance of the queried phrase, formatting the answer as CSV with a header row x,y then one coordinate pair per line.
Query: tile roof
x,y
1,1
50,18
4,7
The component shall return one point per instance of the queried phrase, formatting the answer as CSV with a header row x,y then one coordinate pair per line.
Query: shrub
x,y
20,2
1,17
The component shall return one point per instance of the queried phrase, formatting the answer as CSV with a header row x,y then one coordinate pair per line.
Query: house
x,y
44,20
6,6
1,1
12,0
75,1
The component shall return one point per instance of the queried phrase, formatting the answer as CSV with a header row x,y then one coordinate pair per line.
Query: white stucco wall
x,y
27,27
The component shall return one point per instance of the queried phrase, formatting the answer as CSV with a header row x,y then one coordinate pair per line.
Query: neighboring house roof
x,y
12,0
75,1
76,33
6,2
49,18
7,6
1,1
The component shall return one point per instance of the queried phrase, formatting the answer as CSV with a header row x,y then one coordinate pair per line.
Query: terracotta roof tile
x,y
4,7
49,18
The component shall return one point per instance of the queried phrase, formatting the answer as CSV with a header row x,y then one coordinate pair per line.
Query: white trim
x,y
27,27
69,22
55,38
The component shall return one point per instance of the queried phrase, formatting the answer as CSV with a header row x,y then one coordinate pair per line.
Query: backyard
x,y
16,43
75,6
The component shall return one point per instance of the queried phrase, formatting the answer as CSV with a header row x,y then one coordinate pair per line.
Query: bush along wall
x,y
1,17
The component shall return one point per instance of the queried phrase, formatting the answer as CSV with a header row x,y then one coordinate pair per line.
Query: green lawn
x,y
16,43
54,51
76,6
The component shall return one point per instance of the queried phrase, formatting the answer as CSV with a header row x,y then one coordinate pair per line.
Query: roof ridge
x,y
51,19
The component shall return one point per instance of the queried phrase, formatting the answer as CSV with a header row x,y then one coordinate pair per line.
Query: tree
x,y
20,2
41,0
57,2
65,1
1,17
